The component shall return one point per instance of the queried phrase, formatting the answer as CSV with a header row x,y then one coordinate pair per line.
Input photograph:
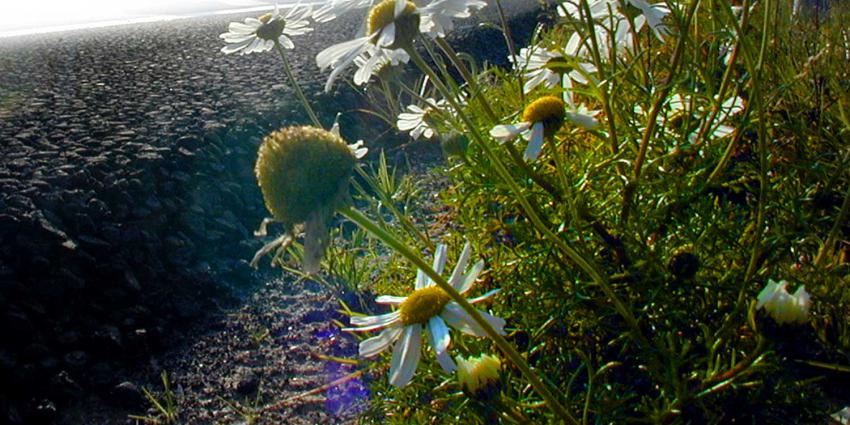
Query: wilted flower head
x,y
782,306
260,34
479,376
303,173
301,170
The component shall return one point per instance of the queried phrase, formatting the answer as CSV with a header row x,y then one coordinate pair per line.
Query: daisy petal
x,y
485,296
457,318
535,144
390,299
505,132
421,279
375,345
406,355
366,323
440,259
454,280
387,37
470,277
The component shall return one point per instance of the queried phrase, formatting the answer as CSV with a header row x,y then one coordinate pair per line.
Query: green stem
x,y
496,162
833,233
652,118
288,70
506,347
389,204
506,31
603,90
477,93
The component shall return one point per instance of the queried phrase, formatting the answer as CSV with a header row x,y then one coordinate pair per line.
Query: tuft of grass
x,y
165,405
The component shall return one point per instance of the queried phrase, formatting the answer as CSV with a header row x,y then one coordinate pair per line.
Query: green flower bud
x,y
454,143
302,170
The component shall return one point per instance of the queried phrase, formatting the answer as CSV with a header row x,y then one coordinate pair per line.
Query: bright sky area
x,y
30,16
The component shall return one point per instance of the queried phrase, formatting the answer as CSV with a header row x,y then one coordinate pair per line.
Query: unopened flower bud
x,y
479,376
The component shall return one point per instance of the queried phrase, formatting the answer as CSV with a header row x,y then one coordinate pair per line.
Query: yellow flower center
x,y
383,14
422,305
270,30
550,110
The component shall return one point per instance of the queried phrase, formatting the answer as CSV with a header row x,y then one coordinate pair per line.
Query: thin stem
x,y
477,93
506,31
603,90
584,264
288,70
506,347
833,233
653,117
389,204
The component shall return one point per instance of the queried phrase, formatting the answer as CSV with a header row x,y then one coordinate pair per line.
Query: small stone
x,y
245,381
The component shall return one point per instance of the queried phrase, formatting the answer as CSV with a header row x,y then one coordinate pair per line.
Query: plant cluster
x,y
631,189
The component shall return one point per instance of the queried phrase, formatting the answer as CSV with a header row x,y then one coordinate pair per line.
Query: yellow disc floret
x,y
270,29
300,170
422,305
406,23
550,110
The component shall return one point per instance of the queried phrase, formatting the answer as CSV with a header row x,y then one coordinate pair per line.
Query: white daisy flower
x,y
541,120
437,16
613,24
548,68
261,34
391,25
375,61
782,306
419,120
427,307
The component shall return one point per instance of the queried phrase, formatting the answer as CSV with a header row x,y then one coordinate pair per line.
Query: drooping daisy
x,y
392,24
426,307
261,34
303,175
437,16
782,306
419,121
